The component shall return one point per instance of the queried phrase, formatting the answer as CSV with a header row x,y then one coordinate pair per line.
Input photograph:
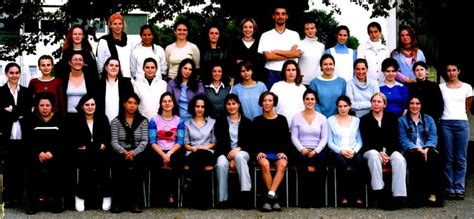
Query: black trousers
x,y
164,181
43,179
127,181
16,159
197,162
94,181
425,177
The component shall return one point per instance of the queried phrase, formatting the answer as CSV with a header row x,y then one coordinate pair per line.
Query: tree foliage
x,y
93,13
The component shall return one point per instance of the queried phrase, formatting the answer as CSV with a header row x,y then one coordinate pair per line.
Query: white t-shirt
x,y
311,52
272,40
455,101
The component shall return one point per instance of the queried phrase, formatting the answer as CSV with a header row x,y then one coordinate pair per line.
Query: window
x,y
133,22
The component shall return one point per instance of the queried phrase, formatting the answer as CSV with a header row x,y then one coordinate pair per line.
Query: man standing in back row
x,y
278,45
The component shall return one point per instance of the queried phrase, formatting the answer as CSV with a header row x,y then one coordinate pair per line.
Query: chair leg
x,y
255,187
326,188
286,190
297,199
335,187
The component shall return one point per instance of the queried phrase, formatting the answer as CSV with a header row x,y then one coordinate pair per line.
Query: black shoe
x,y
116,210
30,210
246,200
395,203
223,205
275,205
57,209
135,209
267,205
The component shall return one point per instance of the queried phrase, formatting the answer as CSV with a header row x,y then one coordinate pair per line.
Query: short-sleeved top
x,y
455,101
272,40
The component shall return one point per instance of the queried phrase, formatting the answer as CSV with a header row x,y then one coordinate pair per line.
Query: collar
x,y
17,86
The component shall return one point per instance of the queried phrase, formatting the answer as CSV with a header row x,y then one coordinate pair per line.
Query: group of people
x,y
90,136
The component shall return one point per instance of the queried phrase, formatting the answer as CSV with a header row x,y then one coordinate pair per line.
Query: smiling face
x,y
76,62
147,37
360,71
327,66
45,107
181,32
232,107
343,108
248,29
77,35
268,103
13,75
46,67
167,104
280,16
414,106
89,107
342,36
150,70
309,101
405,37
217,73
117,26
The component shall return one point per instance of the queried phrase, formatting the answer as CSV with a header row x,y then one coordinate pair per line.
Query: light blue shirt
x,y
233,132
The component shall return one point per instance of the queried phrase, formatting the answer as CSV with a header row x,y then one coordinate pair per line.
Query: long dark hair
x,y
192,81
235,98
104,71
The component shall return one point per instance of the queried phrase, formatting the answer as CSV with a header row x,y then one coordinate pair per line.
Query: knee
x,y
372,155
241,157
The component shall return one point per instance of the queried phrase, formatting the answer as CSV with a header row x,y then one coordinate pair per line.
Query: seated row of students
x,y
186,67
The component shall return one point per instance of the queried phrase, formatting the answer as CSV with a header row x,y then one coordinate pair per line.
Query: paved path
x,y
452,209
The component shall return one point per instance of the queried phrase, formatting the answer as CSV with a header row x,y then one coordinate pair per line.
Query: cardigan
x,y
223,142
384,138
334,139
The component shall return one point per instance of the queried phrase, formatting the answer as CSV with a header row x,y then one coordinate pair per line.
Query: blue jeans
x,y
272,77
456,136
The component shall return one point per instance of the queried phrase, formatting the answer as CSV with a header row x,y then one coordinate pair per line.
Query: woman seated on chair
x,y
199,141
309,134
345,142
379,130
272,142
129,132
90,137
233,134
166,133
45,161
418,138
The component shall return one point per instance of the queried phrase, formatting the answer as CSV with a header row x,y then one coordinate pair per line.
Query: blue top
x,y
425,132
397,98
328,91
248,97
405,67
341,49
335,135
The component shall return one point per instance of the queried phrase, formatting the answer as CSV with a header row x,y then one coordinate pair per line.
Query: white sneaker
x,y
79,204
106,203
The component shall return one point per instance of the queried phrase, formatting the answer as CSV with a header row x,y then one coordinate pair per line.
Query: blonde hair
x,y
380,94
